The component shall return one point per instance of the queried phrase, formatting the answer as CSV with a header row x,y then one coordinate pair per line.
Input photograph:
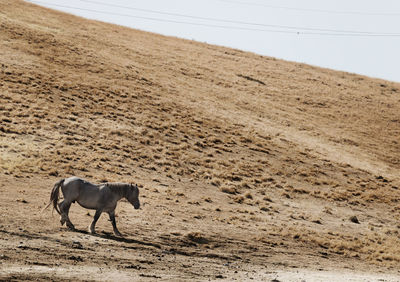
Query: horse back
x,y
75,188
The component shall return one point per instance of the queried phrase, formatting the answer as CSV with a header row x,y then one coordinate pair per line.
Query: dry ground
x,y
249,167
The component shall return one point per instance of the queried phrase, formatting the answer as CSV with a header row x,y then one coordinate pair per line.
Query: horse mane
x,y
119,188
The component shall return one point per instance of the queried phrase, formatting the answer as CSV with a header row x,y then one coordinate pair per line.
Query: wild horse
x,y
100,197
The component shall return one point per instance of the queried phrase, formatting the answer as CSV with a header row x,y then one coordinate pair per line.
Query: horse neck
x,y
119,188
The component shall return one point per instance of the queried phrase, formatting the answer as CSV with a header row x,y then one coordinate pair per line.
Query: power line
x,y
232,21
298,32
309,9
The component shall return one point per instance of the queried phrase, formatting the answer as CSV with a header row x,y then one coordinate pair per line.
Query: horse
x,y
100,197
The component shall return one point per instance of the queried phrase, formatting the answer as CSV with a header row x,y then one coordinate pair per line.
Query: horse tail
x,y
54,195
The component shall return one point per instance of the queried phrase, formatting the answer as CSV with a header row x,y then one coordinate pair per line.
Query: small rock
x,y
22,201
354,219
317,221
77,245
3,257
75,258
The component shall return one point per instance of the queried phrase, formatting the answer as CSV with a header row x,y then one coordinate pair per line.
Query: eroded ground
x,y
249,167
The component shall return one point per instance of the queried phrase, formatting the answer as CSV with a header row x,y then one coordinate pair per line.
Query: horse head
x,y
133,196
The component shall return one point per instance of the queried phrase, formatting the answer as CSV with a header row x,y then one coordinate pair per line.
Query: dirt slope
x,y
249,167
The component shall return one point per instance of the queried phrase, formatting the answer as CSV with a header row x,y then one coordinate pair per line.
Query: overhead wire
x,y
229,21
292,30
360,13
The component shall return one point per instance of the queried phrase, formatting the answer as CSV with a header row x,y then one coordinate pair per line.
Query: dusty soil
x,y
250,168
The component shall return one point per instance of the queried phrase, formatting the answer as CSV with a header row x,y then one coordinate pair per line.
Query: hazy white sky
x,y
360,36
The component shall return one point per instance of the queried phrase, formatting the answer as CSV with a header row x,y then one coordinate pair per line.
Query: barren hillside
x,y
249,167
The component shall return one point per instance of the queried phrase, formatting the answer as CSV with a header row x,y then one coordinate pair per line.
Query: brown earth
x,y
250,167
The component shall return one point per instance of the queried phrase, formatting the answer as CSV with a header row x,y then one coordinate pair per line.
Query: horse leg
x,y
64,209
114,224
62,216
93,225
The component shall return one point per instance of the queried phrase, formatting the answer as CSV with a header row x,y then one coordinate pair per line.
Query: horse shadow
x,y
111,236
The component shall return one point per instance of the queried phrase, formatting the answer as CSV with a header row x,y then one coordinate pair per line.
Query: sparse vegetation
x,y
224,144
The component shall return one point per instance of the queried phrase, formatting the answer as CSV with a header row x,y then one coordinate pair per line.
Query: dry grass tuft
x,y
197,237
229,190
